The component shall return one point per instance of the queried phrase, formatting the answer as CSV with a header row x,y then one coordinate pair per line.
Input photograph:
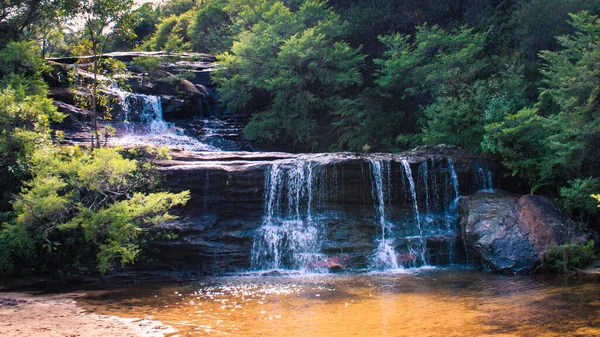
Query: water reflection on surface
x,y
425,303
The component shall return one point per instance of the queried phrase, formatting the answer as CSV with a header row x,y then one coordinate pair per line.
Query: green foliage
x,y
172,33
144,21
25,114
554,142
597,197
519,138
148,65
178,7
575,197
211,30
86,199
294,63
536,23
568,259
436,79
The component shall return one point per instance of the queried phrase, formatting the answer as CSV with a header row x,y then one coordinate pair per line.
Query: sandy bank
x,y
58,315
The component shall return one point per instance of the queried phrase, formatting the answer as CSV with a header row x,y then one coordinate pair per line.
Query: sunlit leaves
x,y
92,197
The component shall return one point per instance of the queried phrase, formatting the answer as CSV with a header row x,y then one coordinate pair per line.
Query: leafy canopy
x,y
78,199
291,68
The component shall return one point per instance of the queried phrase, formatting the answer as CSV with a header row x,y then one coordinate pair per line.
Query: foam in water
x,y
143,122
421,248
385,256
288,237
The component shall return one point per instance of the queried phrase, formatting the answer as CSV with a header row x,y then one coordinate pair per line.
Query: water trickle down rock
x,y
142,123
418,250
304,212
289,236
484,178
384,257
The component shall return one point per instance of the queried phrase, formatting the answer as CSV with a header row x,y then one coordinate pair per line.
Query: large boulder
x,y
509,233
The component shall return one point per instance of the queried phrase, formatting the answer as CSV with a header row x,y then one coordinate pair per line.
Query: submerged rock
x,y
510,233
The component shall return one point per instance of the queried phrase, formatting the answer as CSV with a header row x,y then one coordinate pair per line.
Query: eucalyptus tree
x,y
99,19
291,68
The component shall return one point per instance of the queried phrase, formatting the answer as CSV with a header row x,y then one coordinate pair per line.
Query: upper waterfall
x,y
141,122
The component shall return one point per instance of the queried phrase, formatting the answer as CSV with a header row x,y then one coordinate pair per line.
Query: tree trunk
x,y
95,135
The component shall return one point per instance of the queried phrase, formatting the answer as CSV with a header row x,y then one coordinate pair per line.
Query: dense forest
x,y
515,81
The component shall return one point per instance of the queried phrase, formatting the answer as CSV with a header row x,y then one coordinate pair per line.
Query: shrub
x,y
568,259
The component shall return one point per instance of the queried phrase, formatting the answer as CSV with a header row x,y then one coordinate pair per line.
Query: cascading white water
x,y
289,236
143,124
453,179
415,214
451,213
421,249
484,178
423,171
384,257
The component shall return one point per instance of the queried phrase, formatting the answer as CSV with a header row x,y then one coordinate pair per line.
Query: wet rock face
x,y
218,227
509,233
196,93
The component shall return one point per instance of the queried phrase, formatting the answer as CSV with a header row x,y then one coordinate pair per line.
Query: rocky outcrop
x,y
509,233
217,228
185,76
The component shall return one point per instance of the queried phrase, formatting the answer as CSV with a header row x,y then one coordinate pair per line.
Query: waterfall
x,y
289,236
413,212
423,172
484,178
385,255
453,183
451,211
152,114
144,124
422,247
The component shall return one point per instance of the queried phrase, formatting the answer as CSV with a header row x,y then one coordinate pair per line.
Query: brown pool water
x,y
424,303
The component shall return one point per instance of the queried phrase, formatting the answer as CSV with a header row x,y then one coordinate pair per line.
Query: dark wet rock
x,y
171,105
10,302
217,227
274,273
509,233
332,264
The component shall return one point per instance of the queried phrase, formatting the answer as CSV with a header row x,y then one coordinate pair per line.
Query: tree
x,y
290,68
144,23
84,206
172,32
17,16
100,18
554,142
25,114
435,81
211,30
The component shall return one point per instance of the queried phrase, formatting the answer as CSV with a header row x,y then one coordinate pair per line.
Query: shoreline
x,y
58,315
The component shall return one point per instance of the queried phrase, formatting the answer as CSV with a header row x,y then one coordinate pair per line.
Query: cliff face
x,y
279,210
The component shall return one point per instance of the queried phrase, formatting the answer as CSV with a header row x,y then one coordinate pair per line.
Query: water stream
x,y
413,201
438,302
289,237
141,122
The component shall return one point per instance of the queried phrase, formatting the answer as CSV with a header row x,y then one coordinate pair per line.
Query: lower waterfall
x,y
413,221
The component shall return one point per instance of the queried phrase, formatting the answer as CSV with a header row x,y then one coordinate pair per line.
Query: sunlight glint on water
x,y
426,303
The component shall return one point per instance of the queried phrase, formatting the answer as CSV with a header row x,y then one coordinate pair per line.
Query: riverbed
x,y
423,302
